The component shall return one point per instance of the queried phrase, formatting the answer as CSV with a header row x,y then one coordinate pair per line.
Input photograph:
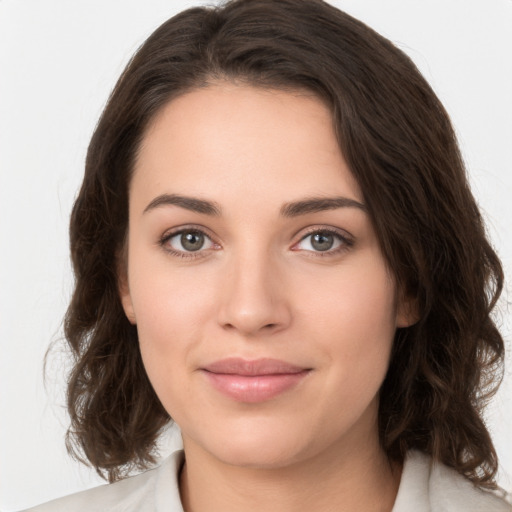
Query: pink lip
x,y
253,381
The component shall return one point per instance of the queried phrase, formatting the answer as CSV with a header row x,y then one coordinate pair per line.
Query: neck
x,y
339,479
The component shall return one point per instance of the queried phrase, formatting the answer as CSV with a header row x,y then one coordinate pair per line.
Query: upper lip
x,y
264,366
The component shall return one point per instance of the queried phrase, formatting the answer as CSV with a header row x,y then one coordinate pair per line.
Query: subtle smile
x,y
253,381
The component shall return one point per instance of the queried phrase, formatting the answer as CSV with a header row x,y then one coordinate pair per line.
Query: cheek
x,y
171,310
167,298
353,323
353,318
358,300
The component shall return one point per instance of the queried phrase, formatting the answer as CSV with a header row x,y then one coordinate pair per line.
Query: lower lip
x,y
255,388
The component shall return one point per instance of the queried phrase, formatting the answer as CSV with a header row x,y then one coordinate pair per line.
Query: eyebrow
x,y
319,204
292,209
189,203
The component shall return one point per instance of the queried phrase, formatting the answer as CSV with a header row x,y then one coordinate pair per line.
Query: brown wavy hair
x,y
399,143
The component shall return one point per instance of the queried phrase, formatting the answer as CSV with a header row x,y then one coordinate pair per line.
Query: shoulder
x,y
452,491
151,491
433,487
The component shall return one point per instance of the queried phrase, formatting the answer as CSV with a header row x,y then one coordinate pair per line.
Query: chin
x,y
263,446
268,456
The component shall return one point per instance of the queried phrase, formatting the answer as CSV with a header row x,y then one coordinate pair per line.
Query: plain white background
x,y
58,62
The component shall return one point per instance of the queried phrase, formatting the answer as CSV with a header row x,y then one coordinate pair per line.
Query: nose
x,y
253,297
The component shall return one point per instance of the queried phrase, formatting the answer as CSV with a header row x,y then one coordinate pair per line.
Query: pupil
x,y
192,241
322,242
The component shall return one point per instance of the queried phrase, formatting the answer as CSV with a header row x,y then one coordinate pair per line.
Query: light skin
x,y
248,237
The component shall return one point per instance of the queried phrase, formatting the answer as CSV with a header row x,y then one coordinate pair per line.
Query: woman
x,y
275,245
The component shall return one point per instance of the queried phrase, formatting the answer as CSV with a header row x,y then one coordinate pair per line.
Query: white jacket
x,y
424,487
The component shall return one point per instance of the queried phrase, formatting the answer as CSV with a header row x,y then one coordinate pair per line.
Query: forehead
x,y
230,139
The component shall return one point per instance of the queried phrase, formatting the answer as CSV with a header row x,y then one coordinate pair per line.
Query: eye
x,y
323,241
187,241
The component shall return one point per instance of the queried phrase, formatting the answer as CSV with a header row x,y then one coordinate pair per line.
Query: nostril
x,y
250,313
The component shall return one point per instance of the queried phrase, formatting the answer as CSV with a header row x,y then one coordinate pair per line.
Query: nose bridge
x,y
253,298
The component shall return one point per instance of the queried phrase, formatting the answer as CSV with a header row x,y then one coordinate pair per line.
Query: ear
x,y
124,288
407,312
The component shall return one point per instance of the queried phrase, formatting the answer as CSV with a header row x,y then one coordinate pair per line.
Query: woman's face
x,y
264,307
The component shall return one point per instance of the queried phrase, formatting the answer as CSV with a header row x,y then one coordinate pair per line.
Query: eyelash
x,y
346,242
184,254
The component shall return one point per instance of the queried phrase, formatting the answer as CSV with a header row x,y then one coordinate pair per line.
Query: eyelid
x,y
189,228
347,240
